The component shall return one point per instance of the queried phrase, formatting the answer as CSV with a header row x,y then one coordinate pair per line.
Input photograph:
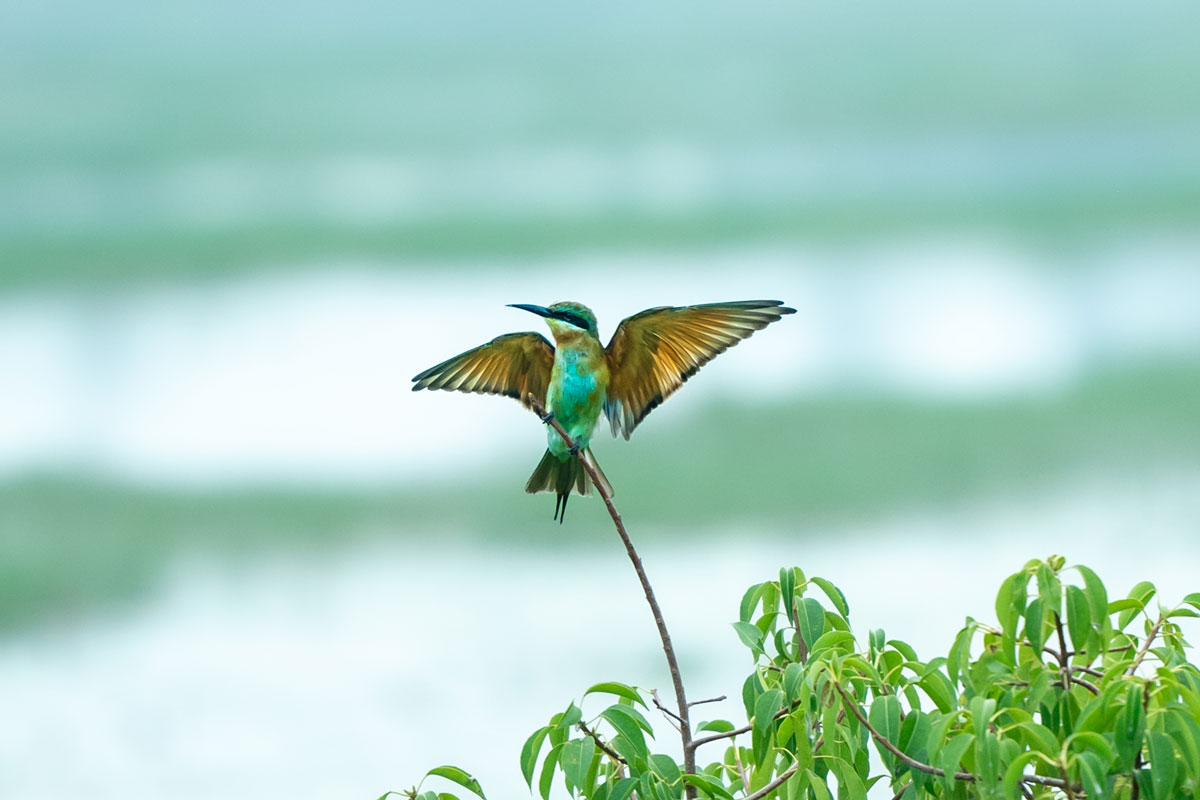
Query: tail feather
x,y
561,476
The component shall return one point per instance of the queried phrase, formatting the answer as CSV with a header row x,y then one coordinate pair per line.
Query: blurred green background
x,y
237,554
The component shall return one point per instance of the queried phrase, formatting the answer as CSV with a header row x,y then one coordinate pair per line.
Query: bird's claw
x,y
574,449
548,417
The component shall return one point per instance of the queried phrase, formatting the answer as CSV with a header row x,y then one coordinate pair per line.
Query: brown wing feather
x,y
514,365
652,353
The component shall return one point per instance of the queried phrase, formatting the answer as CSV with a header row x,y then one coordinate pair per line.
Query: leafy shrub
x,y
1064,697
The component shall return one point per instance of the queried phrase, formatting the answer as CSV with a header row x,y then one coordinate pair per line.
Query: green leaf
x,y
708,784
1096,594
832,639
1193,600
1092,775
787,586
576,760
547,777
627,726
749,601
1012,775
885,718
1141,593
751,636
938,687
622,789
952,754
1163,766
664,767
459,776
793,681
1034,628
1079,617
811,616
818,786
765,708
619,689
835,596
568,718
982,709
877,639
530,753
904,648
1122,605
1130,725
1038,737
850,785
716,726
1089,741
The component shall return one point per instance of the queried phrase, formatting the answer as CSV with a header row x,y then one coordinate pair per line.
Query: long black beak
x,y
541,311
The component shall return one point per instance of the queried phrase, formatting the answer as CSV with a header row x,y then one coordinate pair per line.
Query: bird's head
x,y
567,320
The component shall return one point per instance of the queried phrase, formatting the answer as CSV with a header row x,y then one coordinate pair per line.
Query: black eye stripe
x,y
573,319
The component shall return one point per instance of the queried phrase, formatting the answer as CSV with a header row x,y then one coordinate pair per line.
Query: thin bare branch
x,y
1063,660
608,751
775,784
1141,654
709,700
1091,687
685,725
724,735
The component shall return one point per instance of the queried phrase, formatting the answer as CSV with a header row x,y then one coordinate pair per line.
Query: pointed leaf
x,y
576,760
835,596
459,776
620,690
811,616
1163,765
530,753
1079,617
765,708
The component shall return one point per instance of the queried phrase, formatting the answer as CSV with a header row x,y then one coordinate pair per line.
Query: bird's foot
x,y
548,417
575,448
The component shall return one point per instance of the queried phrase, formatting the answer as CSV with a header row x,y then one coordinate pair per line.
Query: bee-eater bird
x,y
650,356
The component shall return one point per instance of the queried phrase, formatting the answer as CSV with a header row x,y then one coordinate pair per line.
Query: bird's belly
x,y
576,396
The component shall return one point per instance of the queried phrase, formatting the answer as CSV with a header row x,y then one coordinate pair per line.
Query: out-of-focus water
x,y
306,378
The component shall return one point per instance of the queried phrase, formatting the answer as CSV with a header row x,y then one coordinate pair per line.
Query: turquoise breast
x,y
576,397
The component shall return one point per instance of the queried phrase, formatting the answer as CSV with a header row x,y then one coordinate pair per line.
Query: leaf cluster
x,y
1068,695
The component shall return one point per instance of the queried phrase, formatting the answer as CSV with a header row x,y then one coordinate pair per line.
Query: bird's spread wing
x,y
515,365
654,352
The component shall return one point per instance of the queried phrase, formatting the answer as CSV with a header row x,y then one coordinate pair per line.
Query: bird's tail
x,y
561,476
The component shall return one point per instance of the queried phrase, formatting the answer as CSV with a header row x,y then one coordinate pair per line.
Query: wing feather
x,y
514,365
654,352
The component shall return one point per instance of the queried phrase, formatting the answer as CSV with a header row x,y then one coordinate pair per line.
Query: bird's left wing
x,y
652,353
514,365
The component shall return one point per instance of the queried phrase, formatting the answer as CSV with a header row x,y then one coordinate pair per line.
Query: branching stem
x,y
685,725
926,768
1141,654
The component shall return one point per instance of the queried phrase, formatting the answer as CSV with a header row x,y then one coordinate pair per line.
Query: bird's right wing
x,y
514,365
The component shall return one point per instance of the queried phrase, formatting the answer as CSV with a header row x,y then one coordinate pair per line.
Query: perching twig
x,y
685,725
709,700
